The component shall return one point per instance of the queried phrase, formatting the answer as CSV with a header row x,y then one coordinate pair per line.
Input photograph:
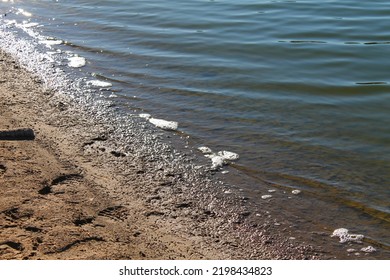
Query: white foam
x,y
344,236
271,191
368,249
266,196
54,52
353,237
296,192
30,24
205,150
98,83
219,159
50,43
145,116
163,124
23,12
228,155
217,162
76,61
339,232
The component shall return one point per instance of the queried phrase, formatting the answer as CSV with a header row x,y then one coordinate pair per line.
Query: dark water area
x,y
299,89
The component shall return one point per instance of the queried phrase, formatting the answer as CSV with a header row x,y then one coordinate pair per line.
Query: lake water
x,y
299,89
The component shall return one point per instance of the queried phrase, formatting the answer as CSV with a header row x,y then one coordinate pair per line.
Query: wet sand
x,y
73,193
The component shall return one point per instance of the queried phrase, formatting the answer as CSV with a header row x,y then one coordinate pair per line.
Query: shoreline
x,y
137,166
79,198
153,198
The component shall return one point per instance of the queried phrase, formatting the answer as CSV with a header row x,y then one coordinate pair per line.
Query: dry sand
x,y
69,194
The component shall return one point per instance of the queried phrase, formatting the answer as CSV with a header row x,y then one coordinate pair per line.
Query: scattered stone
x,y
271,191
351,250
266,196
296,192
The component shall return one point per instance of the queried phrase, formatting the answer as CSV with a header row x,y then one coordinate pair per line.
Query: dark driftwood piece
x,y
17,134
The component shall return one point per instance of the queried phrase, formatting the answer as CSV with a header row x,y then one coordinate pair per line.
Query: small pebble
x,y
296,192
266,196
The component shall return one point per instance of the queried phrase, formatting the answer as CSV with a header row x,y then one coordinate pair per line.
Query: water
x,y
299,89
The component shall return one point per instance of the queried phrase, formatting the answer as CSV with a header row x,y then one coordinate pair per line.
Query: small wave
x,y
307,42
371,83
377,43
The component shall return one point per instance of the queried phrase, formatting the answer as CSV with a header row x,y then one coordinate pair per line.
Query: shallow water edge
x,y
177,151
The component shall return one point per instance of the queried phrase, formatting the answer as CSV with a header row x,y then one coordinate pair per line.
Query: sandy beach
x,y
69,194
